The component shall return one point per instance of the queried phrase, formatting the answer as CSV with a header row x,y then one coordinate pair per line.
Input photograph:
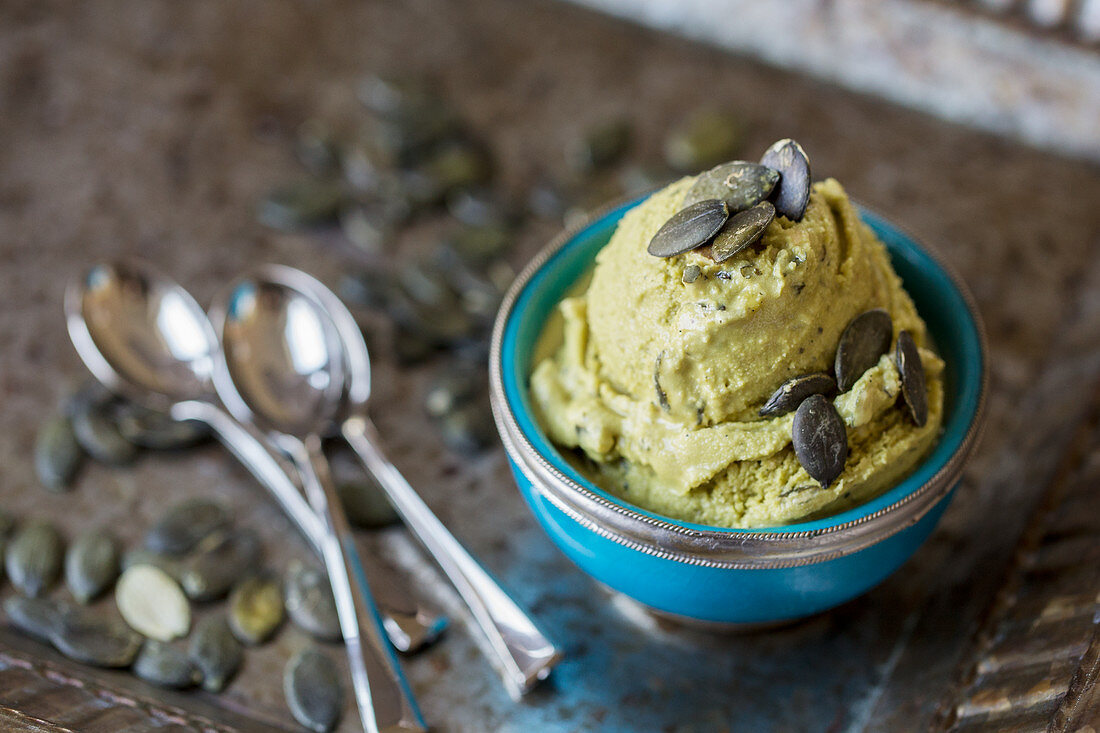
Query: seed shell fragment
x,y
312,689
820,439
913,388
866,338
92,564
309,601
57,454
689,228
34,557
216,652
185,525
255,609
793,192
166,666
792,392
740,184
741,230
152,603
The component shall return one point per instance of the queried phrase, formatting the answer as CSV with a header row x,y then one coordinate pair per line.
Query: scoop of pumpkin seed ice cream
x,y
659,369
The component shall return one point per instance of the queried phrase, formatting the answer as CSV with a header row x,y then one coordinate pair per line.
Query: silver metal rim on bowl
x,y
716,548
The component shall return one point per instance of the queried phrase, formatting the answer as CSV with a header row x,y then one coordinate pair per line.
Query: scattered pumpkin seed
x,y
36,617
312,688
365,504
864,340
185,525
793,192
57,454
601,146
704,139
92,564
480,244
166,666
307,203
255,609
468,429
451,388
913,388
98,435
739,183
691,274
457,165
689,228
367,231
309,601
820,439
88,637
211,572
155,430
742,229
215,651
792,392
152,603
33,558
476,206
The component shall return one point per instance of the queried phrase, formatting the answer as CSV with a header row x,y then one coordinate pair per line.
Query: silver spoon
x,y
280,372
145,338
519,649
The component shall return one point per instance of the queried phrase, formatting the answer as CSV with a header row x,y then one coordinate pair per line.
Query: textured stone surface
x,y
157,135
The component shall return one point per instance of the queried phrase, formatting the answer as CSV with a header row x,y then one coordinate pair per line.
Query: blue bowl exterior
x,y
749,596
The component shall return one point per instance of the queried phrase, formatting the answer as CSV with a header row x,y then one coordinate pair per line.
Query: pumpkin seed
x,y
313,692
212,571
306,203
36,617
255,609
739,183
152,603
367,231
704,139
792,392
98,434
166,666
365,504
57,454
476,206
185,525
741,230
689,228
468,429
793,191
451,388
156,430
92,564
33,558
864,340
601,146
913,388
216,652
691,274
480,244
309,601
85,636
819,438
457,165
171,566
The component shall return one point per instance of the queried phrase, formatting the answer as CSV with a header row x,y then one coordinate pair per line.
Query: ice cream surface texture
x,y
657,378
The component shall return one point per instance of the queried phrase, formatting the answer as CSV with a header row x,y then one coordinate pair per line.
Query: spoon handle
x,y
409,625
384,698
522,653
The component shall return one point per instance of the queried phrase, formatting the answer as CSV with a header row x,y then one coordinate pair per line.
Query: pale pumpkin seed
x,y
309,601
166,666
792,392
57,454
185,525
913,388
211,571
88,637
313,691
92,564
741,230
99,436
255,609
739,183
152,603
216,652
704,139
33,558
820,439
793,192
689,228
866,338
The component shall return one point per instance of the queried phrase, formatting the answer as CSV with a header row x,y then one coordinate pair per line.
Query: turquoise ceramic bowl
x,y
733,576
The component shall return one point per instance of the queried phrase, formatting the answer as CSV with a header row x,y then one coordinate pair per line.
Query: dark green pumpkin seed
x,y
88,637
313,692
57,454
255,609
705,138
691,274
166,666
92,564
185,525
481,244
365,504
309,601
866,338
457,165
33,558
305,203
211,572
913,388
793,191
820,439
739,183
216,652
601,146
156,430
689,228
792,392
741,230
99,436
36,617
